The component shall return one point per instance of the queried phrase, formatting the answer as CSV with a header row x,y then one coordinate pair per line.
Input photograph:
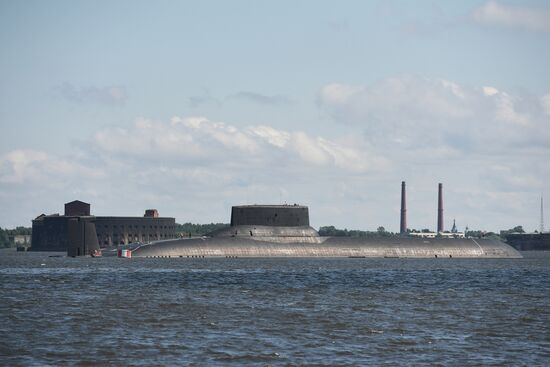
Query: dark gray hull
x,y
328,247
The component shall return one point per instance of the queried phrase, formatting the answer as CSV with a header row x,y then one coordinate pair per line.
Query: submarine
x,y
284,231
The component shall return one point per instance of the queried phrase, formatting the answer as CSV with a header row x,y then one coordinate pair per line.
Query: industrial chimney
x,y
403,225
440,209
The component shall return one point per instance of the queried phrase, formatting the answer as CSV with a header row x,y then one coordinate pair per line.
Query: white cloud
x,y
407,96
272,136
490,91
201,129
545,103
18,165
198,138
24,166
339,93
510,178
506,111
310,150
496,13
189,167
438,115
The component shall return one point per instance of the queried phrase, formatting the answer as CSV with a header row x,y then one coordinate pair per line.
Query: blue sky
x,y
192,107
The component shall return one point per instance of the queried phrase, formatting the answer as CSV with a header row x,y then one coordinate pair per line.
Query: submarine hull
x,y
284,231
405,247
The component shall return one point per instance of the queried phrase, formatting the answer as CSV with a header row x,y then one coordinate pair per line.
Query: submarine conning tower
x,y
273,223
270,215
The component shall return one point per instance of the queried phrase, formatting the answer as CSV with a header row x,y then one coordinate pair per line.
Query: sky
x,y
191,107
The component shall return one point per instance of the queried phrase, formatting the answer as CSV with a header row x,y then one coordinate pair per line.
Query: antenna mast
x,y
541,215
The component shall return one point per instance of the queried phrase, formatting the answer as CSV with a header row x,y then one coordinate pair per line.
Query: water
x,y
280,312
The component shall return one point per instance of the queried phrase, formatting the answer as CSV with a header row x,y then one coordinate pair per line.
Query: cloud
x,y
507,178
411,96
273,136
189,167
489,147
414,113
31,166
506,110
499,14
489,91
275,100
545,103
108,95
197,139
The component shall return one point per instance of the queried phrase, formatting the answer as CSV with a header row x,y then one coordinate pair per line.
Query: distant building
x,y
454,229
124,230
77,208
21,241
51,232
435,234
529,241
153,213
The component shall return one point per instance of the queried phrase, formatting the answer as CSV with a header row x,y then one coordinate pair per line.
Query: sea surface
x,y
61,311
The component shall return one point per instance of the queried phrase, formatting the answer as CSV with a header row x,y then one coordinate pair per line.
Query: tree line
x,y
381,232
192,229
336,232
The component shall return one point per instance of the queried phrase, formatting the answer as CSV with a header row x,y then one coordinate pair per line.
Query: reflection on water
x,y
66,311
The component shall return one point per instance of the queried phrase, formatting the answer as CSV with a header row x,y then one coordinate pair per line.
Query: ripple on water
x,y
144,312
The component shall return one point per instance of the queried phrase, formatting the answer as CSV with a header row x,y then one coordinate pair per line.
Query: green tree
x,y
19,231
331,231
4,240
191,229
518,229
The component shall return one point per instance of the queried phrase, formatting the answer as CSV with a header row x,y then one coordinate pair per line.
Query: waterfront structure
x,y
435,234
529,241
81,236
284,231
112,231
53,232
50,233
20,240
